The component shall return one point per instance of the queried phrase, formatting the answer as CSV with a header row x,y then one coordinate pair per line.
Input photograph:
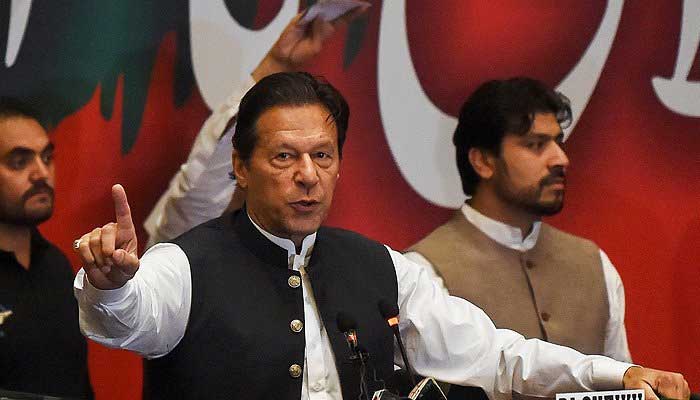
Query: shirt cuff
x,y
105,297
608,373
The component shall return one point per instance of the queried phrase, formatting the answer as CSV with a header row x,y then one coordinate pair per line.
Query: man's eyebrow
x,y
19,151
26,151
542,135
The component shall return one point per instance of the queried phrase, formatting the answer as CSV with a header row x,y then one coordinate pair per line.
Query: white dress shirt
x,y
446,337
615,345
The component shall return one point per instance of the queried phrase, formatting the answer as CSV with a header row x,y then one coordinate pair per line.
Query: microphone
x,y
348,326
390,312
427,389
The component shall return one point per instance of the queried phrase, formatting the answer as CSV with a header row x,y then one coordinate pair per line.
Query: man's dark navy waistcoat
x,y
239,344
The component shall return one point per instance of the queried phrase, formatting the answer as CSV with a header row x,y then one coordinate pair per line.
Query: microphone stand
x,y
348,326
361,356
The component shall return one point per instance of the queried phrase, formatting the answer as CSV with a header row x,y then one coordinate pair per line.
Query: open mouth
x,y
304,206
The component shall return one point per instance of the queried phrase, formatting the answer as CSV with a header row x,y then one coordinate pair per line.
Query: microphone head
x,y
388,309
345,322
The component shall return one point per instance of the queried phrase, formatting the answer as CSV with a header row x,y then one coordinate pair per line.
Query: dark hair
x,y
501,107
11,107
287,89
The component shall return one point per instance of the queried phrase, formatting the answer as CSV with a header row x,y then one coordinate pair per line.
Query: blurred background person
x,y
41,348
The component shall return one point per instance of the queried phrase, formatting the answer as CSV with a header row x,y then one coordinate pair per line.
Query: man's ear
x,y
483,162
240,169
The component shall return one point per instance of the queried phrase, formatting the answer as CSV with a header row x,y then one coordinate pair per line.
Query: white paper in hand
x,y
329,10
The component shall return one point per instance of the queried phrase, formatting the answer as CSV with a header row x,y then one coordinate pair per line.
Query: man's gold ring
x,y
76,244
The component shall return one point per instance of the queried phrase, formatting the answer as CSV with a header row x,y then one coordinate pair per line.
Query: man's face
x,y
530,173
291,174
26,172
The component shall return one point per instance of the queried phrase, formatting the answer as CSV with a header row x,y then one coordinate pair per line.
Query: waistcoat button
x,y
294,281
296,325
295,370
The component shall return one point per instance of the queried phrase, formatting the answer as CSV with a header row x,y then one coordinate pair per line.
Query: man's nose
x,y
559,157
306,174
40,170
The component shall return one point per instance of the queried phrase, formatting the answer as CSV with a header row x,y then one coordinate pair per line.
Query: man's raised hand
x,y
109,253
299,43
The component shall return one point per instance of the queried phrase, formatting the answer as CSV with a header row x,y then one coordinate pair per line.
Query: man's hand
x,y
109,253
299,43
668,384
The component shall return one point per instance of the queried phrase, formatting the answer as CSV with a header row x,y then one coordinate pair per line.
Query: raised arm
x,y
140,305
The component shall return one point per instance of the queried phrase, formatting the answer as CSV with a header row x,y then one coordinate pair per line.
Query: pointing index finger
x,y
121,207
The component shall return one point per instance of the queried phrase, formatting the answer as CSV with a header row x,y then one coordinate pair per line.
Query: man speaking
x,y
244,306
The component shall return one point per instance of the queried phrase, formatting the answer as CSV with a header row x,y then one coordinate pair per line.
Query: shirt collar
x,y
296,261
504,234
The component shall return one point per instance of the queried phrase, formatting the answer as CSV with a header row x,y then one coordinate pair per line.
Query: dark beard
x,y
545,209
17,214
528,200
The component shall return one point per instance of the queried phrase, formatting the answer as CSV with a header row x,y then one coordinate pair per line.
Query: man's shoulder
x,y
50,250
341,233
345,237
205,228
53,252
552,233
346,248
446,234
50,255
